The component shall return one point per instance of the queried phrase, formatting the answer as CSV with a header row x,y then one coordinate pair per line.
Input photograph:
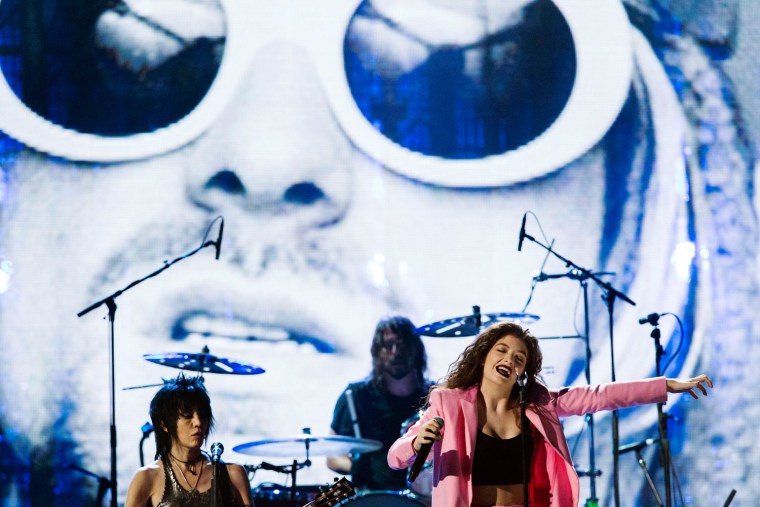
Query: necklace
x,y
179,467
189,464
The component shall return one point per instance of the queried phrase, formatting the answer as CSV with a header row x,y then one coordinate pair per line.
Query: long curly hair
x,y
407,333
177,396
467,370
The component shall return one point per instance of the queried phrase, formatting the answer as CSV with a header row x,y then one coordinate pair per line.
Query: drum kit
x,y
419,492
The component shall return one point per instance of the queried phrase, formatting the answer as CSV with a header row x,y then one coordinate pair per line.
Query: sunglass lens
x,y
111,68
461,85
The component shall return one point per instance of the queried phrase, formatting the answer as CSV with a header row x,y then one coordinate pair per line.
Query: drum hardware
x,y
271,495
609,295
204,362
110,303
277,495
331,445
472,325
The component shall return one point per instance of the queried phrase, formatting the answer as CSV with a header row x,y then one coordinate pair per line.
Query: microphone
x,y
652,318
522,233
541,277
422,455
216,452
218,243
637,446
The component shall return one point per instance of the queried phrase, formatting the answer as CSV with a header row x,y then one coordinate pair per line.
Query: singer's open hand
x,y
683,385
429,432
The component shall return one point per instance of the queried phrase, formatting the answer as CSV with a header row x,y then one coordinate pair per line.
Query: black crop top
x,y
498,461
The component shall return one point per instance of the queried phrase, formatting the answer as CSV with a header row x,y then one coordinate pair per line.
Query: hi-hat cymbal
x,y
204,363
331,445
471,325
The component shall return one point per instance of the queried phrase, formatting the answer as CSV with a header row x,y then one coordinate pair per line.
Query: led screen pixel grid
x,y
327,229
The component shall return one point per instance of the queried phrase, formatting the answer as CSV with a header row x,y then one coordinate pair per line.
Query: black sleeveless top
x,y
499,461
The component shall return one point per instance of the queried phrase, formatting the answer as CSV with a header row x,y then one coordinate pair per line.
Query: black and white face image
x,y
369,158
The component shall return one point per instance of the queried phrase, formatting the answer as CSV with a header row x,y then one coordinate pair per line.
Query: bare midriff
x,y
488,495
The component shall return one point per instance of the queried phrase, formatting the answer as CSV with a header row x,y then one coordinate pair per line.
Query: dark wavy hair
x,y
467,370
407,333
178,396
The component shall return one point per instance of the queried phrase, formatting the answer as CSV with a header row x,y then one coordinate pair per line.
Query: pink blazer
x,y
554,482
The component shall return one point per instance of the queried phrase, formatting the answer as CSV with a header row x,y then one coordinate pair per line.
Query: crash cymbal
x,y
471,325
331,445
204,363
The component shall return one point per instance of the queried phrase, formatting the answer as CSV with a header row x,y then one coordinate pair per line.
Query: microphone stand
x,y
610,294
103,483
592,473
214,480
643,466
110,302
525,428
662,419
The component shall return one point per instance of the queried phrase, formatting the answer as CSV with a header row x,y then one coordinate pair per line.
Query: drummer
x,y
376,407
181,475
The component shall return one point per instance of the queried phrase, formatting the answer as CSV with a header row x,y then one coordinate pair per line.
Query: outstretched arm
x,y
688,385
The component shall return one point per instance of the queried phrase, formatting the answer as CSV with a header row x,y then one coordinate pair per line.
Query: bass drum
x,y
385,499
423,484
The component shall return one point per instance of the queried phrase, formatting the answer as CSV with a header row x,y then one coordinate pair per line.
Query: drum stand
x,y
610,295
291,470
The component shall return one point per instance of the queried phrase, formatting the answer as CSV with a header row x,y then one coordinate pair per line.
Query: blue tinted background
x,y
322,240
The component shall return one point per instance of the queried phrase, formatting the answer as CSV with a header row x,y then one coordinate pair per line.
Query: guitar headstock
x,y
341,490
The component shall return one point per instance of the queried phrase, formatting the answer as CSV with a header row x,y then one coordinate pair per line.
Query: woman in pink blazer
x,y
478,456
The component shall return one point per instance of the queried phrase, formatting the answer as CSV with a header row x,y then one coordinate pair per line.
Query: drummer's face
x,y
394,355
320,242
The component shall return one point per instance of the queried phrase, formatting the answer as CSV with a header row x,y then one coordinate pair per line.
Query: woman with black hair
x,y
182,473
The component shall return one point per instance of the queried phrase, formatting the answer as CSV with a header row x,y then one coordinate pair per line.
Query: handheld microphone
x,y
637,446
216,452
652,318
422,455
218,243
522,233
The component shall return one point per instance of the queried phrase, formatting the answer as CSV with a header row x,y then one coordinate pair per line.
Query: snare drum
x,y
385,499
423,484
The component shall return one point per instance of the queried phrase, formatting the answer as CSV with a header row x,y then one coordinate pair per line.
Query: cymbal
x,y
331,445
204,363
471,325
